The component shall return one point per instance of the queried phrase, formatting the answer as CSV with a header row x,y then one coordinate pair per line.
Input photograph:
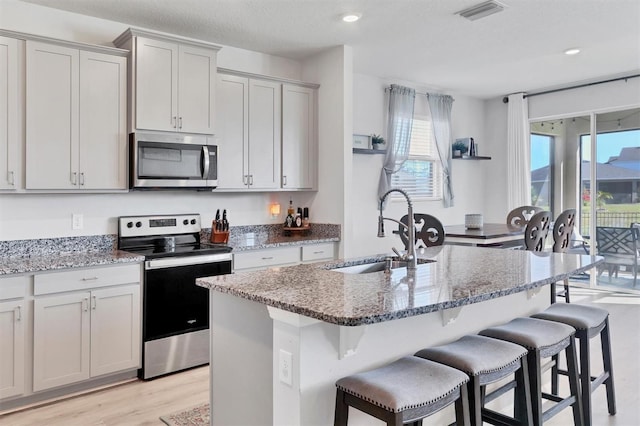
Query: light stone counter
x,y
282,337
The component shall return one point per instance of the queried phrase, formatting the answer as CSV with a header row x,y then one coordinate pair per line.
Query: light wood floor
x,y
142,403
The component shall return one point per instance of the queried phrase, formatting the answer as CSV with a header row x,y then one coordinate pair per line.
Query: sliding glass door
x,y
592,163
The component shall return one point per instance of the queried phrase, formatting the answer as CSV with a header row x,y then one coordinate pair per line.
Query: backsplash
x,y
238,236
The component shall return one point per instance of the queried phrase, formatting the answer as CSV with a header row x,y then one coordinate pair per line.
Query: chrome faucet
x,y
410,255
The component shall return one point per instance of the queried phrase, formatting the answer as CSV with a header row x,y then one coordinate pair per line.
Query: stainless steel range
x,y
175,311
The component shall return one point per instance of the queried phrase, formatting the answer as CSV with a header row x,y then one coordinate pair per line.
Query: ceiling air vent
x,y
481,10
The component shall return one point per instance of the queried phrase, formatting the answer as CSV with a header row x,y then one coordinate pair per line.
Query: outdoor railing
x,y
619,219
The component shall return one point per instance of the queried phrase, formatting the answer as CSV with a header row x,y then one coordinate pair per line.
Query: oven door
x,y
173,161
173,303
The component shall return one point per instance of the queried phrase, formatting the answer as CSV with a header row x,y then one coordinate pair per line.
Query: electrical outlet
x,y
285,365
77,221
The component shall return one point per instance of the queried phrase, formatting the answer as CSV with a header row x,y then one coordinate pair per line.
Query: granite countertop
x,y
457,276
245,238
50,262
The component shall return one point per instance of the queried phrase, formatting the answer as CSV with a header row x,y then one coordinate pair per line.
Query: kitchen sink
x,y
376,266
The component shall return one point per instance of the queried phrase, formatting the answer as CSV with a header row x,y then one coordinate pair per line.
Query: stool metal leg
x,y
462,408
475,401
523,405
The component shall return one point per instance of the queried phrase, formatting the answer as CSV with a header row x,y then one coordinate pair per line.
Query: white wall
x,y
369,116
24,216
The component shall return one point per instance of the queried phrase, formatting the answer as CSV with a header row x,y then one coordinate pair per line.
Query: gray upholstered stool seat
x,y
406,390
543,339
486,361
589,322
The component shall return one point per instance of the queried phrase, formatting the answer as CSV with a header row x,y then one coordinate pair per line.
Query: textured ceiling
x,y
519,49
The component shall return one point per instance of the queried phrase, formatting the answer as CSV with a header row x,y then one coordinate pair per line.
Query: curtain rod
x,y
386,89
506,99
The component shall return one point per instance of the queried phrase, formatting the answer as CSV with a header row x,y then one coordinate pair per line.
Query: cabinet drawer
x,y
13,287
81,279
318,252
266,258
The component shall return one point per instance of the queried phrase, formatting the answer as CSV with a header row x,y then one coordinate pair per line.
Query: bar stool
x,y
588,321
486,361
544,339
404,391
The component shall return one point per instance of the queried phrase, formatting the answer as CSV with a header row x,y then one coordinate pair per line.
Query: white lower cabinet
x,y
80,333
283,256
13,315
12,341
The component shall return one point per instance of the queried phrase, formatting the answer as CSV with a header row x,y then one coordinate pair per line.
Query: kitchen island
x,y
281,337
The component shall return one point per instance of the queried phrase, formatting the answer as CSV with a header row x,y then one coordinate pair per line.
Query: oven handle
x,y
187,260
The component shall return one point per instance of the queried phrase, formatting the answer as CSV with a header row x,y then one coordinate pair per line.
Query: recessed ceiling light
x,y
572,51
350,17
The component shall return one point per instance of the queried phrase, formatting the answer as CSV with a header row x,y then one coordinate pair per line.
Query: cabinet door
x,y
9,142
12,340
115,329
61,327
232,120
103,134
298,138
52,114
264,134
196,87
156,85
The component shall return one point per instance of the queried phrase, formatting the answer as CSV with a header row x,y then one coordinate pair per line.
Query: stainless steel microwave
x,y
172,161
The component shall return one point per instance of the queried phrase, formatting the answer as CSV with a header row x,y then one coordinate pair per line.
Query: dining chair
x,y
520,216
429,230
536,231
619,247
563,228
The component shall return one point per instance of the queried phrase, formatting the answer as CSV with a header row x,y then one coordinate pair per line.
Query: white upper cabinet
x,y
75,118
299,137
249,133
173,87
10,142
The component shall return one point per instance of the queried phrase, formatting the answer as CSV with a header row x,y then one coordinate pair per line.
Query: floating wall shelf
x,y
475,157
369,151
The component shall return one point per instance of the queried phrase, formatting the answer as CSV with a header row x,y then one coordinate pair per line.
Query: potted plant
x,y
377,142
459,149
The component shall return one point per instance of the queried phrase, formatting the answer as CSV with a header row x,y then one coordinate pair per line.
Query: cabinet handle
x,y
93,302
318,252
250,180
245,179
18,310
82,179
174,121
74,177
11,178
284,181
85,304
267,258
180,123
89,278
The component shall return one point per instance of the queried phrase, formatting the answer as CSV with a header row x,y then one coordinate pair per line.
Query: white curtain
x,y
401,102
518,152
440,106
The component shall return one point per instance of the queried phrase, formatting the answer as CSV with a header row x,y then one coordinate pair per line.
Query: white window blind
x,y
420,176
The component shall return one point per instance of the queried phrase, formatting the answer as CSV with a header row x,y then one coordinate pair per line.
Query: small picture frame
x,y
362,141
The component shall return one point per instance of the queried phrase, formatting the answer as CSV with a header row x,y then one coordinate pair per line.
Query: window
x,y
420,176
542,171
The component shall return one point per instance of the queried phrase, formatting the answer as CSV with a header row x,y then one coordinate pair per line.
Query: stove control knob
x,y
193,221
129,224
138,224
185,222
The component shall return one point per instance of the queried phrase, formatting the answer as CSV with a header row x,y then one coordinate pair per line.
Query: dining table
x,y
487,235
